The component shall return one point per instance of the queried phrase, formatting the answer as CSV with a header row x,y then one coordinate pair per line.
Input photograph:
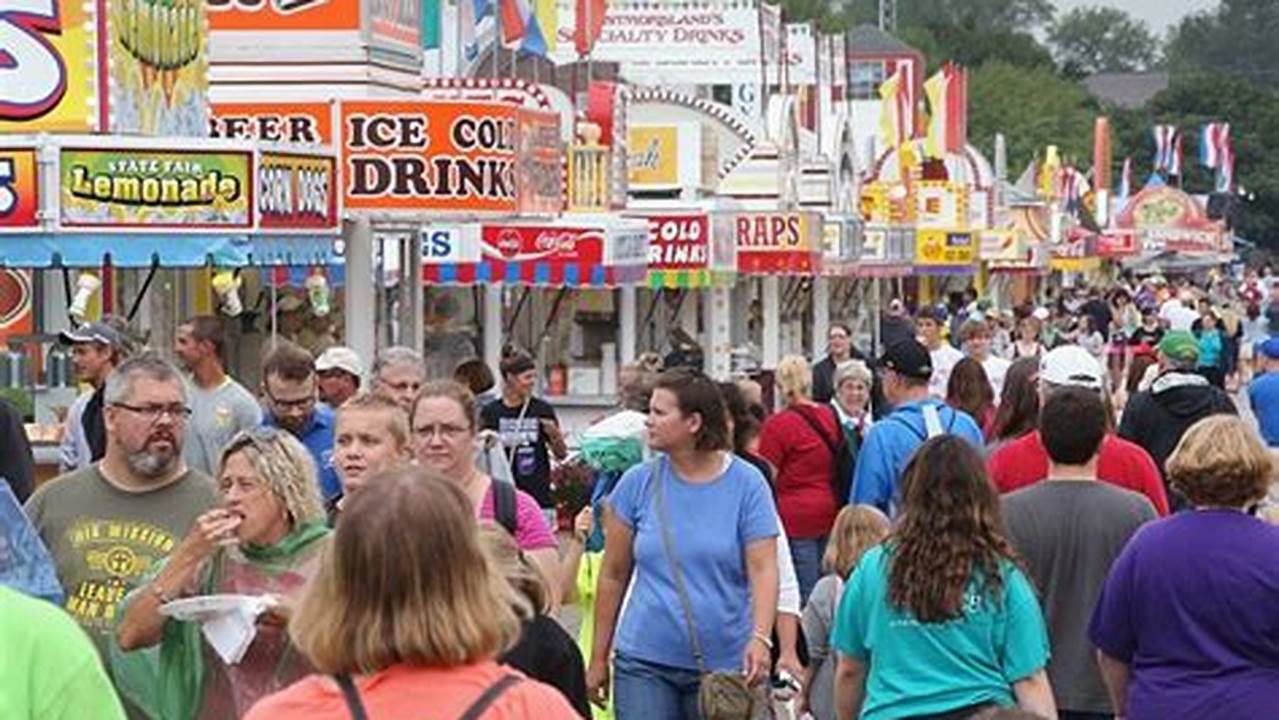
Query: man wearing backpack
x,y
906,368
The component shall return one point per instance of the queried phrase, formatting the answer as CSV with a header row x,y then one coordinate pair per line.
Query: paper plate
x,y
205,607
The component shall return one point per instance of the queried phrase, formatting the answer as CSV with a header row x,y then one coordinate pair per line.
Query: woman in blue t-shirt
x,y
939,621
716,513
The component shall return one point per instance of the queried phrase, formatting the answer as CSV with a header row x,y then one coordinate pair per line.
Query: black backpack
x,y
841,482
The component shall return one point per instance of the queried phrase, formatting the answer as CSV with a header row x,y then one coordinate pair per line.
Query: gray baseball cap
x,y
92,332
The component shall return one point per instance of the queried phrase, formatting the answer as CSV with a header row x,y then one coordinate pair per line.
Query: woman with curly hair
x,y
969,390
1018,411
939,621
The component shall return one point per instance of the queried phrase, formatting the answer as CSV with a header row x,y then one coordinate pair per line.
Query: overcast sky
x,y
1159,14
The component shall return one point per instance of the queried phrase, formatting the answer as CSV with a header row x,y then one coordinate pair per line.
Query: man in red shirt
x,y
1024,461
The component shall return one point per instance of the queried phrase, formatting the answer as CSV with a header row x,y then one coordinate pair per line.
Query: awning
x,y
68,249
578,251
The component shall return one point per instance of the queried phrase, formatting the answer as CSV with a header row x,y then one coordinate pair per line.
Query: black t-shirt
x,y
95,427
1148,336
1099,311
524,444
545,652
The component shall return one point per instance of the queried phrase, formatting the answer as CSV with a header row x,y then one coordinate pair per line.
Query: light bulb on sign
x,y
86,285
317,288
227,287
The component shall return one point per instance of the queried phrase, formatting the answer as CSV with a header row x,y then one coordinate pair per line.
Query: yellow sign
x,y
945,247
158,67
654,156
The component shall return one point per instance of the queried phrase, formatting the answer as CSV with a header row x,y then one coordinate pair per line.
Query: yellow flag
x,y
935,89
548,18
890,122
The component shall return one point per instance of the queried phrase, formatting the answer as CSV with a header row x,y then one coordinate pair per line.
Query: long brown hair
x,y
949,533
969,389
1018,411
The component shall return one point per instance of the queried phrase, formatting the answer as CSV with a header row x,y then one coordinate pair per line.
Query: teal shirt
x,y
1210,348
921,669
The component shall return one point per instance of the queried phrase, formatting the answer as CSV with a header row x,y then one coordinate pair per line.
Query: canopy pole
x,y
492,293
142,291
821,314
361,298
628,330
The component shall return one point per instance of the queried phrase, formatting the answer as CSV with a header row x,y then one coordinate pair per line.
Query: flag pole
x,y
497,37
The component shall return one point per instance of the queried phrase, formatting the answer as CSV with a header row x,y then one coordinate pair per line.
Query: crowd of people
x,y
1054,512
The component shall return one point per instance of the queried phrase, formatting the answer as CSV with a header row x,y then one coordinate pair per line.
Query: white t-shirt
x,y
944,359
1177,315
996,369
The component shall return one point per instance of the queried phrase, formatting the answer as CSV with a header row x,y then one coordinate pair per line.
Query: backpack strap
x,y
490,695
352,696
504,506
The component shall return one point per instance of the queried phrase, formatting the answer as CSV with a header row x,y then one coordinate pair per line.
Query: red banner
x,y
543,244
679,242
297,191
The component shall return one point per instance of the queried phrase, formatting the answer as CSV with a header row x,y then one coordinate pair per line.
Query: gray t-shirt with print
x,y
216,416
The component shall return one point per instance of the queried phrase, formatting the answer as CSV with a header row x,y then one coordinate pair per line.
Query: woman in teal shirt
x,y
1211,344
938,621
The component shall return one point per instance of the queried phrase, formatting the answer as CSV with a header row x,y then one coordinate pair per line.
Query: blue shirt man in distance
x,y
289,394
1263,391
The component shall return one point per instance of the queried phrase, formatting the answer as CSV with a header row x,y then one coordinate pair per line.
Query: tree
x,y
1033,108
1236,39
993,15
1101,39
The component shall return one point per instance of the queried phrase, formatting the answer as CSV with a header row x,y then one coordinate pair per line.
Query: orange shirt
x,y
420,693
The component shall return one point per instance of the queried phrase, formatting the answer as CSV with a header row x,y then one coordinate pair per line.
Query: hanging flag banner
x,y
49,67
293,123
540,171
801,54
19,190
156,189
283,15
297,192
159,67
420,155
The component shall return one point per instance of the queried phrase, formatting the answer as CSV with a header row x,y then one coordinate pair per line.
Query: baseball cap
x,y
1179,345
1270,348
1071,365
908,358
92,332
935,313
340,358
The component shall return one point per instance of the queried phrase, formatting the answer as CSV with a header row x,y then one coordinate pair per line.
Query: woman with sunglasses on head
x,y
444,426
266,538
696,529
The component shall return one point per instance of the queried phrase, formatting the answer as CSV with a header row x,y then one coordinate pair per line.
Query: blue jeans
x,y
807,553
647,691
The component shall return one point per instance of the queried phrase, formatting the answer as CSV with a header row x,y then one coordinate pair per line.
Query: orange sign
x,y
19,191
300,123
277,15
429,156
48,56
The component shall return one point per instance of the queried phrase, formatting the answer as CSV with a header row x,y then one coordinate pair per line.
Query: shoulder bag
x,y
721,694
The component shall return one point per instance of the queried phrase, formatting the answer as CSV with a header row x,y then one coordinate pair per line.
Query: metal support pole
x,y
628,329
772,305
821,315
412,331
492,325
717,311
361,334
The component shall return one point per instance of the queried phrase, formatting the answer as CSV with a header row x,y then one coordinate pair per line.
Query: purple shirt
x,y
531,531
1191,606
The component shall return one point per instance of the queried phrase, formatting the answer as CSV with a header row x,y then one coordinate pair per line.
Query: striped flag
x,y
1213,140
1167,150
1226,169
588,25
1125,182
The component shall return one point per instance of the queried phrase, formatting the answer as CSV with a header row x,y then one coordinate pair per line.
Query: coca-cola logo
x,y
509,242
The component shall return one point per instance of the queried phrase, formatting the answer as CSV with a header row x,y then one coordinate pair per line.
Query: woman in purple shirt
x,y
1186,624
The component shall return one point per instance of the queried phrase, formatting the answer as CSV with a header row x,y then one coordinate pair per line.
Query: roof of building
x,y
870,40
1126,90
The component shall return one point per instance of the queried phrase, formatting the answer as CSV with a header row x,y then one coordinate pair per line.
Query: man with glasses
x,y
289,393
220,406
398,374
107,525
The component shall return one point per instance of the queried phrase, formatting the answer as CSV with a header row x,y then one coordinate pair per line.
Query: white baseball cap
x,y
340,358
1071,365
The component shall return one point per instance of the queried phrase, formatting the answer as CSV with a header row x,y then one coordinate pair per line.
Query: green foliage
x,y
1102,39
1032,107
1237,39
820,12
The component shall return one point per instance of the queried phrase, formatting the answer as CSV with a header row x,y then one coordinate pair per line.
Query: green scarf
x,y
167,682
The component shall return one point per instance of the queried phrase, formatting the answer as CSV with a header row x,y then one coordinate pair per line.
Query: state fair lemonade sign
x,y
124,188
415,156
116,555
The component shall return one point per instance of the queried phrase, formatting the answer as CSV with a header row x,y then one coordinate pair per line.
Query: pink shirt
x,y
531,532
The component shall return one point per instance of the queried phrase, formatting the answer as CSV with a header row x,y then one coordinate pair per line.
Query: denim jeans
x,y
647,691
807,553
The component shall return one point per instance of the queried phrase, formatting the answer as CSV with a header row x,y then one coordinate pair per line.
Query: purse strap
x,y
352,697
656,476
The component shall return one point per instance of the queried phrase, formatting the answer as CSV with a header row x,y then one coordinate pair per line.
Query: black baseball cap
x,y
908,358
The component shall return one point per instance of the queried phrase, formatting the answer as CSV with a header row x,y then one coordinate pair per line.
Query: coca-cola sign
x,y
543,243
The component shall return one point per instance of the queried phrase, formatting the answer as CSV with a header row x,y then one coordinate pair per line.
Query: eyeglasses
x,y
292,404
153,413
444,430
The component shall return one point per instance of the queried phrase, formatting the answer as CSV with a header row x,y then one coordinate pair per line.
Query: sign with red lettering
x,y
297,192
774,243
295,123
679,242
19,190
429,155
